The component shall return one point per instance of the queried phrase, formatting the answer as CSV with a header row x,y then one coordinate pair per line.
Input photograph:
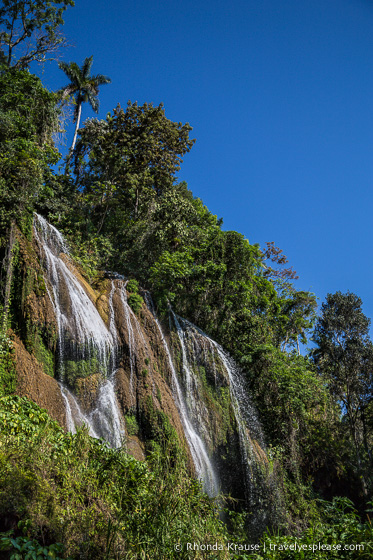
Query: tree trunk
x,y
353,428
9,276
77,127
75,136
137,202
365,436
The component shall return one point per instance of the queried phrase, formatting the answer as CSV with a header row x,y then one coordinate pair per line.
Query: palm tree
x,y
83,88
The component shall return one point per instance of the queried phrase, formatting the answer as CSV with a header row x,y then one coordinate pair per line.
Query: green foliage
x,y
301,422
125,166
28,117
159,395
80,369
100,502
132,286
22,548
131,424
7,366
344,357
339,533
90,254
23,419
45,356
30,30
135,301
140,152
345,352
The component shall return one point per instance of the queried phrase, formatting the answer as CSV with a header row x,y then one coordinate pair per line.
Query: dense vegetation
x,y
99,503
122,207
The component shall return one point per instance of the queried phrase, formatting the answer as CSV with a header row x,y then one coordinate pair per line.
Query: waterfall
x,y
82,332
74,415
196,407
106,418
202,463
193,339
87,348
131,338
85,344
104,421
133,350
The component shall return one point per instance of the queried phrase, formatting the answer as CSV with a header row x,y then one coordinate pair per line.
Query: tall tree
x,y
344,355
28,119
134,155
83,88
29,30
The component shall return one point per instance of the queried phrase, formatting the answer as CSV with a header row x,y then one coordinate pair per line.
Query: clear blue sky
x,y
280,97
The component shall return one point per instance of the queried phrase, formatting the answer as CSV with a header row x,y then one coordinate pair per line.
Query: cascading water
x,y
192,341
82,333
196,407
131,338
85,343
106,418
74,415
131,319
202,463
88,347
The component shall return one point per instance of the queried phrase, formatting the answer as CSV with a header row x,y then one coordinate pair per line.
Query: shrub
x,y
7,366
132,286
135,301
100,502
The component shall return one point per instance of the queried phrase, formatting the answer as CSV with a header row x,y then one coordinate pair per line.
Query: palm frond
x,y
84,87
71,70
94,102
86,68
101,80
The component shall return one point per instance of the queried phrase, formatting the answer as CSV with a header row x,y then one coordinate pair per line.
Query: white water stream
x,y
193,339
202,463
82,336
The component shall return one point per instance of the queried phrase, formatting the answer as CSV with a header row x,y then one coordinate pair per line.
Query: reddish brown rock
x,y
36,385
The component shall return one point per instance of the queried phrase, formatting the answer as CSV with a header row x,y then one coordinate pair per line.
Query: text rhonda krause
x,y
229,546
246,547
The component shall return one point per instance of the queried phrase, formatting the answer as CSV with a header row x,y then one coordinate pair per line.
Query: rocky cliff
x,y
96,353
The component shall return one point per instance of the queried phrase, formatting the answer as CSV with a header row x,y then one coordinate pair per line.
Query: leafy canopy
x,y
28,118
345,351
30,30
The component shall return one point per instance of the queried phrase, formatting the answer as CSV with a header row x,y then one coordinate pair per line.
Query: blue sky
x,y
280,97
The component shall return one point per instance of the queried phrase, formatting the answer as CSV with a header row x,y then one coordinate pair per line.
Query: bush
x,y
135,301
7,366
338,534
29,549
132,286
100,502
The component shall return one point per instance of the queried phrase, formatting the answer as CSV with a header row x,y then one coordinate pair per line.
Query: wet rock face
x,y
136,448
87,391
142,379
34,384
122,386
124,370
